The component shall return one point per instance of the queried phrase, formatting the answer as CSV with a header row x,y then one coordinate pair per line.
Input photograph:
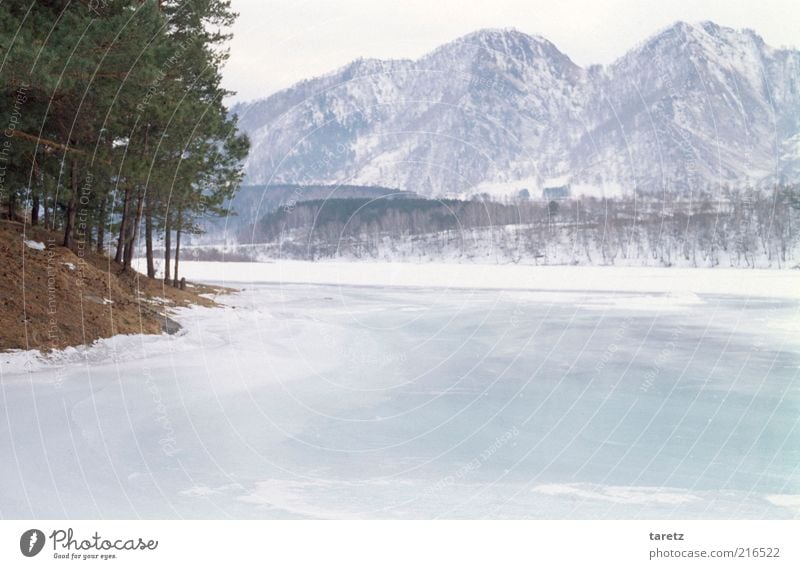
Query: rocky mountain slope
x,y
694,107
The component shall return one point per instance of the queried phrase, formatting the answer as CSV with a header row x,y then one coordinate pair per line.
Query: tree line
x,y
114,126
746,228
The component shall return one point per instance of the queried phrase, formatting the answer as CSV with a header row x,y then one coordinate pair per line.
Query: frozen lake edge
x,y
406,398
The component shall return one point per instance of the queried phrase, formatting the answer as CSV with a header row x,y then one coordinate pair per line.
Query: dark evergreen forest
x,y
114,129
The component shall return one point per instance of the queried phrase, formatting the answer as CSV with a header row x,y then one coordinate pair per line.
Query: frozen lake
x,y
344,401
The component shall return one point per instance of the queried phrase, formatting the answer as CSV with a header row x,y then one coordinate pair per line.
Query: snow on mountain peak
x,y
693,106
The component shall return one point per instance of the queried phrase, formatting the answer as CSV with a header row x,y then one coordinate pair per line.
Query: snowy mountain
x,y
498,110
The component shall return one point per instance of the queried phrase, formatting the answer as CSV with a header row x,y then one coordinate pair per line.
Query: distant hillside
x,y
741,229
252,203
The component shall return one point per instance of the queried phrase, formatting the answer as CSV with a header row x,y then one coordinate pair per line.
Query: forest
x,y
114,128
747,228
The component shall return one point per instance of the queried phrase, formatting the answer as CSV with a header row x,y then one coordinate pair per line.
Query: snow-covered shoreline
x,y
675,287
761,283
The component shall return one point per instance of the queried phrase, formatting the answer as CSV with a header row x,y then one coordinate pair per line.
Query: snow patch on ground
x,y
617,494
789,501
291,497
202,490
156,300
37,245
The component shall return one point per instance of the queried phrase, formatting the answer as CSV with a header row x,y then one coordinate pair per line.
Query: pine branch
x,y
53,144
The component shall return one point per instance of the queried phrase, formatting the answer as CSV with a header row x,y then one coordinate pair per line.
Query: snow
x,y
534,185
400,391
788,501
157,300
677,282
563,180
616,494
577,188
604,190
37,245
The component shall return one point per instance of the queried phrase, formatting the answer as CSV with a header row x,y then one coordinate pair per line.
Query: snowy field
x,y
339,390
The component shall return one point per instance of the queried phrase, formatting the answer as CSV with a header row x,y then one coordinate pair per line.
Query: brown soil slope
x,y
53,298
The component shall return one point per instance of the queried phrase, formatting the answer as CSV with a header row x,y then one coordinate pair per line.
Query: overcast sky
x,y
279,42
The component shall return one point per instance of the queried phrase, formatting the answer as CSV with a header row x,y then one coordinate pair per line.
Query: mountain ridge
x,y
496,109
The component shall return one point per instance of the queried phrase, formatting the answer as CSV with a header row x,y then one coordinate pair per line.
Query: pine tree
x,y
119,120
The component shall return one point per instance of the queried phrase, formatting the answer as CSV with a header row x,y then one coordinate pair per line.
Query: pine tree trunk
x,y
148,240
101,225
12,205
35,210
177,251
167,247
134,233
123,229
44,210
71,207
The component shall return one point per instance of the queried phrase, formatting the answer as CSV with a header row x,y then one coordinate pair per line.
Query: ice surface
x,y
581,400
